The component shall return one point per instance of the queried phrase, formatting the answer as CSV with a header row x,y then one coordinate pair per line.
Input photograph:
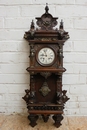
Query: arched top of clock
x,y
46,21
45,31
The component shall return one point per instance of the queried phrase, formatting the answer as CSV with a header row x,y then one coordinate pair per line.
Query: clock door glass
x,y
46,56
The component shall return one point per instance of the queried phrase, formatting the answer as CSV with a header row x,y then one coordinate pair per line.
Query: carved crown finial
x,y
46,8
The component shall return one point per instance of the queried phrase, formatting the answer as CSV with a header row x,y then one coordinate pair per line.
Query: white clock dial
x,y
46,56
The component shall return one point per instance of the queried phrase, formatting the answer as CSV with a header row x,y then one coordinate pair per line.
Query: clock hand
x,y
43,55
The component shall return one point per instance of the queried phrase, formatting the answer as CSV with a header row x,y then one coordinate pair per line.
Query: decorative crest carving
x,y
46,21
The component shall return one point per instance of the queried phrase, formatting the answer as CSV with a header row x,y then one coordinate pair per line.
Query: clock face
x,y
46,56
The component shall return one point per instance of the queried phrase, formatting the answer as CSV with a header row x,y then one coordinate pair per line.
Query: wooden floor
x,y
19,122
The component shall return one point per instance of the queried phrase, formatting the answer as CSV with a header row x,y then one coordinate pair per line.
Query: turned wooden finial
x,y
46,8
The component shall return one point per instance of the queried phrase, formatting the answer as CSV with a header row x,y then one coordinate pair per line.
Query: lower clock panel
x,y
45,97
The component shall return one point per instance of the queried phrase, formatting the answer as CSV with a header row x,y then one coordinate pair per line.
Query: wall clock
x,y
45,96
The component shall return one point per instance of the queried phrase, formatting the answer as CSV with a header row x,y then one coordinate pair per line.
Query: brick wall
x,y
15,19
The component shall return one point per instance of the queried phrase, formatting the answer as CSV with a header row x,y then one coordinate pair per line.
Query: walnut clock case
x,y
45,96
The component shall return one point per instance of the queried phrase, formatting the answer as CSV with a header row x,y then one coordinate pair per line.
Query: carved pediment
x,y
46,21
45,30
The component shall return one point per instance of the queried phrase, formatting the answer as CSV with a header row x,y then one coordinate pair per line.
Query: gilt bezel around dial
x,y
46,56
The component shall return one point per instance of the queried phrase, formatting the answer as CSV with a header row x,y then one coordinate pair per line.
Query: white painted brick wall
x,y
15,19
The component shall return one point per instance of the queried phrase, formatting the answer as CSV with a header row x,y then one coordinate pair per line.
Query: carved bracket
x,y
61,97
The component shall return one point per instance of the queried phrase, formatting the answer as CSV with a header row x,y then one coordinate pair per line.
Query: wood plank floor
x,y
20,122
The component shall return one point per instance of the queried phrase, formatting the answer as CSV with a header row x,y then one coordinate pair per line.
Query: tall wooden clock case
x,y
45,96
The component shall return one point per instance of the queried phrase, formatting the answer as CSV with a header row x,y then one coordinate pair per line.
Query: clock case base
x,y
45,96
48,101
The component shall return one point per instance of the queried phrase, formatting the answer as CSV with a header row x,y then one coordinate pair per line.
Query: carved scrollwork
x,y
62,34
57,118
30,34
65,98
29,97
32,51
61,97
45,74
60,56
46,39
47,21
32,97
26,97
32,54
